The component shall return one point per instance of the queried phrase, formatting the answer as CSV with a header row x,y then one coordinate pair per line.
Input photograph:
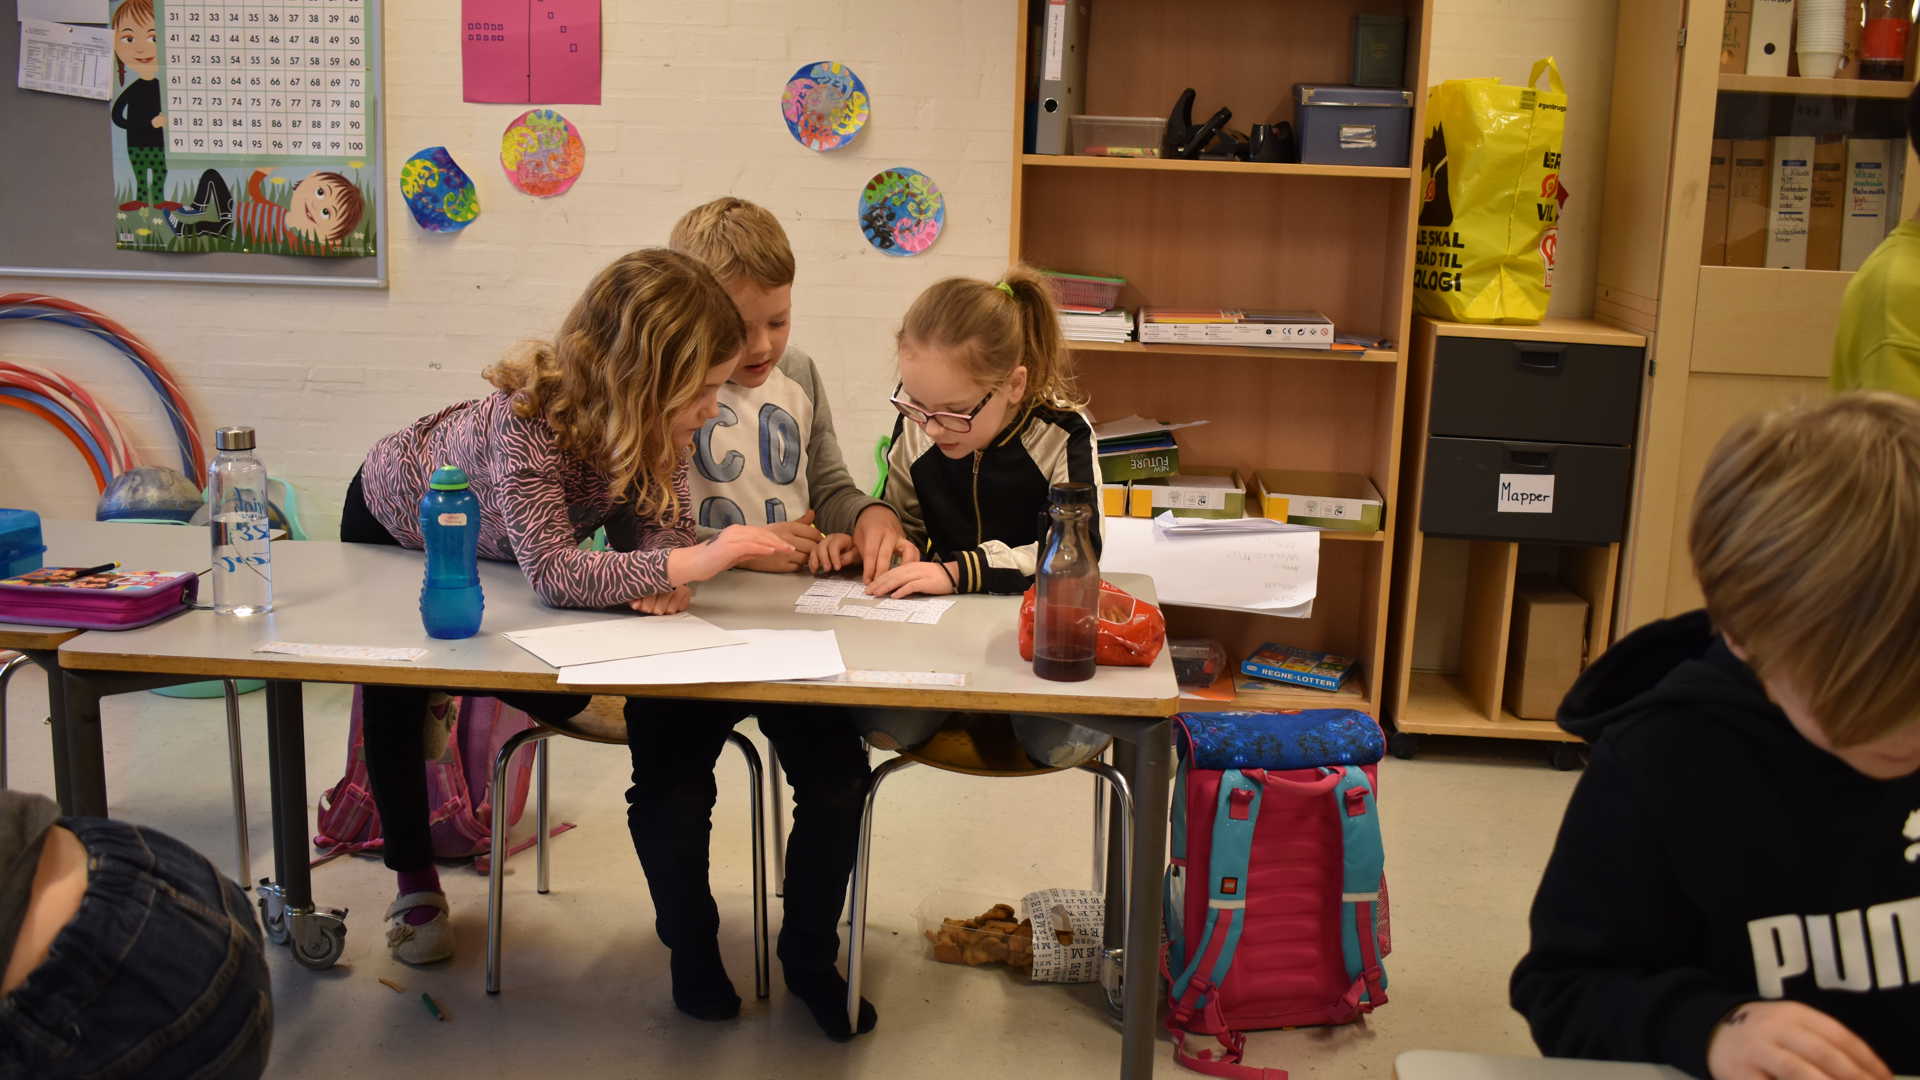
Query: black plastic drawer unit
x,y
1487,388
1504,489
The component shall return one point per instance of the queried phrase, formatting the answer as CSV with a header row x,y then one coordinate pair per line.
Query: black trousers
x,y
675,746
391,715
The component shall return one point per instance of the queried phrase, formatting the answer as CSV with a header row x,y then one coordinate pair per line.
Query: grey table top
x,y
349,594
90,543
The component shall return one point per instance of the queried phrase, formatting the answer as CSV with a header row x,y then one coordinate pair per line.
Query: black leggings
x,y
391,718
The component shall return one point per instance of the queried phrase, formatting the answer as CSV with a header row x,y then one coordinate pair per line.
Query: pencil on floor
x,y
432,1006
393,986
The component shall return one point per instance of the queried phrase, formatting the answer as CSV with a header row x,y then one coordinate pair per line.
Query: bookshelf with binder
x,y
1769,186
1247,235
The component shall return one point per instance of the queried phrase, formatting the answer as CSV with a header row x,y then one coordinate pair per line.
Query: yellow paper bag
x,y
1489,218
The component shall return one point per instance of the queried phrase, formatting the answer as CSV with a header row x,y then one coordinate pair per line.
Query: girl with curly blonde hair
x,y
585,431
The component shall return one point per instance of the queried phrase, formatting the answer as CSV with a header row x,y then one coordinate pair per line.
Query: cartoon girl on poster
x,y
136,49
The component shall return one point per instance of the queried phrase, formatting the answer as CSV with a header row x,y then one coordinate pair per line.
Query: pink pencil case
x,y
114,600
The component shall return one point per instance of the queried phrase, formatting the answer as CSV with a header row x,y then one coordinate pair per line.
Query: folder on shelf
x,y
1868,201
1713,243
1063,74
1789,202
1770,40
1747,195
1733,36
1826,213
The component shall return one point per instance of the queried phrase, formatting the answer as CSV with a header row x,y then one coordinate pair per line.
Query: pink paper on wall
x,y
531,52
565,54
493,50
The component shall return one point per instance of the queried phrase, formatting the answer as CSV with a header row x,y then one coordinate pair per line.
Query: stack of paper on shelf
x,y
1094,324
1233,326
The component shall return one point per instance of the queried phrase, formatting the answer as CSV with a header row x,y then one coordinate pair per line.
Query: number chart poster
x,y
246,125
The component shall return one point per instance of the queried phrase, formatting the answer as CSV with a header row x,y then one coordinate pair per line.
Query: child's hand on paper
x,y
880,540
1786,1038
834,552
666,603
914,578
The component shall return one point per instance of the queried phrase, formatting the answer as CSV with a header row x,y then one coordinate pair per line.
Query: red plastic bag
x,y
1132,631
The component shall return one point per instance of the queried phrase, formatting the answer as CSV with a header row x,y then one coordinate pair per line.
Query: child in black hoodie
x,y
1736,886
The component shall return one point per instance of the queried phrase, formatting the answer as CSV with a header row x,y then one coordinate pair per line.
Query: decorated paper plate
x,y
438,191
825,105
902,211
542,153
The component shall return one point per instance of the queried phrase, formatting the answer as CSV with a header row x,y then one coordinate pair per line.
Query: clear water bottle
x,y
1066,608
450,599
237,501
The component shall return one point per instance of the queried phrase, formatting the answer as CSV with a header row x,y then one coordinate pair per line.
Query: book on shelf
x,y
1136,448
1713,243
1747,190
1094,324
1787,205
1869,199
1235,326
1301,667
1826,205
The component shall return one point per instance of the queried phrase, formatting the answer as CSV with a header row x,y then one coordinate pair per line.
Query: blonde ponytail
x,y
999,326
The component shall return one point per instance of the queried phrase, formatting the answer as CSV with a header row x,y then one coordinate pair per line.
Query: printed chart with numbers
x,y
268,78
247,125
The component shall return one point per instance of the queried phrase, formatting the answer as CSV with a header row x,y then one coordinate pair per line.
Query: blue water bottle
x,y
450,600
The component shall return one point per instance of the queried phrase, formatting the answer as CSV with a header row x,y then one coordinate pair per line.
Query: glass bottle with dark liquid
x,y
1066,607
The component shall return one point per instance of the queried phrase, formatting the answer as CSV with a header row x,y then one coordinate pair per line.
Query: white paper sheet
x,y
767,656
340,652
1273,572
575,644
849,599
60,59
1138,425
1168,523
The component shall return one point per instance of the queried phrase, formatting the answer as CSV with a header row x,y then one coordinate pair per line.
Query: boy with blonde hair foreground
x,y
1736,886
768,459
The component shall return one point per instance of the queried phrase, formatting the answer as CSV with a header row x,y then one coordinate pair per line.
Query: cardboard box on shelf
x,y
1113,500
1826,213
1747,196
1327,500
1546,647
1713,243
1198,491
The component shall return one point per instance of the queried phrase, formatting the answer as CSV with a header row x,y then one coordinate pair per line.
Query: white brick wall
x,y
691,111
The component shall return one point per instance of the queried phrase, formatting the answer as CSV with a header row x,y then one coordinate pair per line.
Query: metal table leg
x,y
286,903
79,760
1148,765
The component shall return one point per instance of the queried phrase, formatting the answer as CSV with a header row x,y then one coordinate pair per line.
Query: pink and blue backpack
x,y
1276,899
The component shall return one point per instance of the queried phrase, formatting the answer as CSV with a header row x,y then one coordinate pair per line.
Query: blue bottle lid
x,y
448,478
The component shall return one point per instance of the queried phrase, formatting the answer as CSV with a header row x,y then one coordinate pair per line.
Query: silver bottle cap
x,y
233,438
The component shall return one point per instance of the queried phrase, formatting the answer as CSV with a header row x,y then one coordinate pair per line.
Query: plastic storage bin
x,y
1353,125
1085,290
1197,662
1117,136
21,545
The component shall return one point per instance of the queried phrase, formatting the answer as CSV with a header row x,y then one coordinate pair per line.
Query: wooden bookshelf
x,y
1332,238
1245,168
1793,84
1725,342
1369,356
